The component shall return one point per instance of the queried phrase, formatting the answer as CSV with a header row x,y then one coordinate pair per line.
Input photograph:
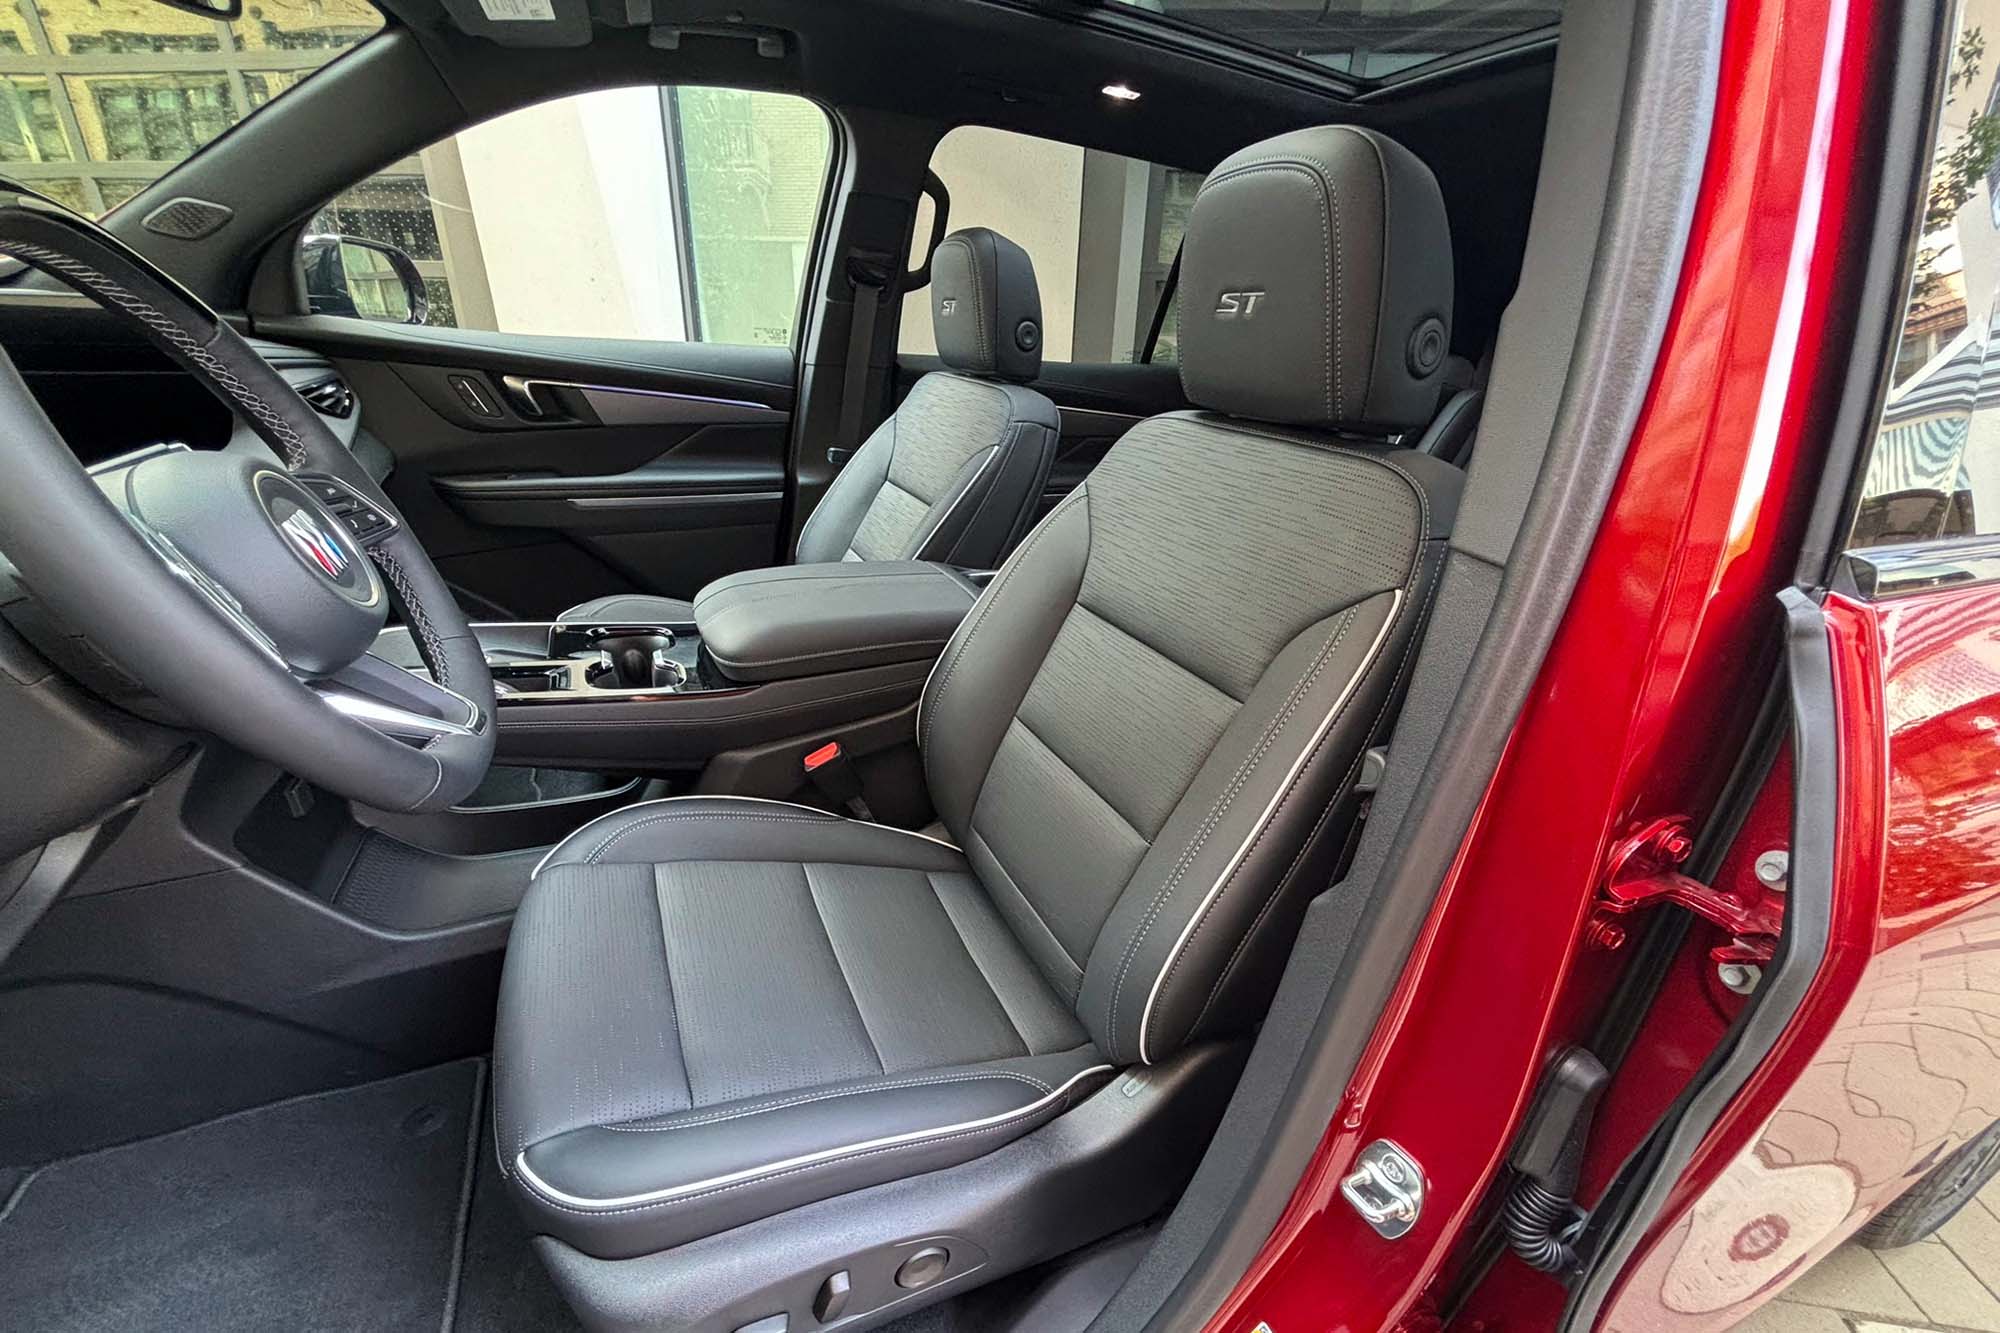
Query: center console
x,y
776,661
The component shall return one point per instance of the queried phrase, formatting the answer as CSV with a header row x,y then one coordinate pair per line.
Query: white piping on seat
x,y
722,796
556,1196
1270,809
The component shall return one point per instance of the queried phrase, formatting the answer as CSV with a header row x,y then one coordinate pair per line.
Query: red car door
x,y
1880,1076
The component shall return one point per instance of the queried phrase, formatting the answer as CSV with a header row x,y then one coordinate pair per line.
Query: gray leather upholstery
x,y
1144,736
985,308
806,620
717,1008
1332,306
954,474
630,609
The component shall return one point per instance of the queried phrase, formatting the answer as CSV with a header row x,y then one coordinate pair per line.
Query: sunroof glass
x,y
1368,39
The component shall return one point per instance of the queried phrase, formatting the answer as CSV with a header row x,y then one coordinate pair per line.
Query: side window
x,y
99,98
676,214
1934,472
1102,229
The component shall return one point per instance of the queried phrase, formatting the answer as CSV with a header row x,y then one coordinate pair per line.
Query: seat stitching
x,y
1213,819
986,500
1243,944
978,619
1027,902
546,1201
994,453
634,827
868,647
1173,965
965,947
629,1128
853,997
1329,226
667,975
160,323
537,724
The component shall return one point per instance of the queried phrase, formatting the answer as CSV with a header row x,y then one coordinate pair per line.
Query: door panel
x,y
540,472
1098,402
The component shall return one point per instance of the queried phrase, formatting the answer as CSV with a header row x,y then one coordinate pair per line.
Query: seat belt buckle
x,y
832,774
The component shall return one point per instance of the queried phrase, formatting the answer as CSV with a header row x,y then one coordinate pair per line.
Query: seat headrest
x,y
1316,284
985,307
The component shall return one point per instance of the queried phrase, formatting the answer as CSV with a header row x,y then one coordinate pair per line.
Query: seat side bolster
x,y
976,525
830,530
986,668
1250,810
744,828
640,1186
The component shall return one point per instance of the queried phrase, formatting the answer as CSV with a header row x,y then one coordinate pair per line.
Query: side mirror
x,y
346,275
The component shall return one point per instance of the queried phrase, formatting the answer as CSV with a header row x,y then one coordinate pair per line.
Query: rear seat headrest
x,y
985,307
1316,284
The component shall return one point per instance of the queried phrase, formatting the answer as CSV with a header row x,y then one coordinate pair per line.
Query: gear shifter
x,y
636,659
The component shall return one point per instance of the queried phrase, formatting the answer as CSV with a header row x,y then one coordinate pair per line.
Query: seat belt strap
x,y
869,274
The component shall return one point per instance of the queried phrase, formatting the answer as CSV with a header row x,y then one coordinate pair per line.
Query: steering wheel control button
x,y
923,1268
363,520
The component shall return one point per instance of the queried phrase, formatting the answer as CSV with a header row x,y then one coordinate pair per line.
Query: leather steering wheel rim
x,y
142,606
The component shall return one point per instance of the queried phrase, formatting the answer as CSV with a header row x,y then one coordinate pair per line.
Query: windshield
x,y
99,98
1369,39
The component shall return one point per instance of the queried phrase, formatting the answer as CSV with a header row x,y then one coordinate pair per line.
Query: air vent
x,y
330,396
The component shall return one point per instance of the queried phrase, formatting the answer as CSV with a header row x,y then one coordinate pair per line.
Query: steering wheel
x,y
243,588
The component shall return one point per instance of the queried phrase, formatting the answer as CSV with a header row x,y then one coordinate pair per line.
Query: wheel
x,y
1931,1202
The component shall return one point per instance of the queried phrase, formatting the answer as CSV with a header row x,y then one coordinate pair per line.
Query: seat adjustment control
x,y
830,1301
769,1324
923,1268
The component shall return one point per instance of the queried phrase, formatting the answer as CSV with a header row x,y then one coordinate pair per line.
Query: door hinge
x,y
1645,870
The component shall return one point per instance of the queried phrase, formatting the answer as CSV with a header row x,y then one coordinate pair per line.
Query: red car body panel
x,y
1895,1061
1663,655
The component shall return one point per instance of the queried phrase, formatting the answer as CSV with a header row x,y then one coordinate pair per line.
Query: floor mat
x,y
503,1287
341,1210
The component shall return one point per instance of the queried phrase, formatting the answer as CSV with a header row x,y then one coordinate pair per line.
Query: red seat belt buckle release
x,y
834,776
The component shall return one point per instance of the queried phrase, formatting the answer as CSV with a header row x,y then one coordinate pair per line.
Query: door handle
x,y
520,391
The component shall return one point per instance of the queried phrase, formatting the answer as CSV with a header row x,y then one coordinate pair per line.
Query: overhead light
x,y
1118,92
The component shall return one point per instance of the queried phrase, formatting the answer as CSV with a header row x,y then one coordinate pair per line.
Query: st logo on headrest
x,y
946,306
1238,305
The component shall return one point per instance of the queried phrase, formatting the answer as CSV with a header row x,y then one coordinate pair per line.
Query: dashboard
x,y
109,391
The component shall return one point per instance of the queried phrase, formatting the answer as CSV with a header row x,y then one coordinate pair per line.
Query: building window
x,y
135,86
689,215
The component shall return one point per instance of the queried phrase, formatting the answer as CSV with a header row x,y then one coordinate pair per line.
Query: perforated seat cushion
x,y
716,1009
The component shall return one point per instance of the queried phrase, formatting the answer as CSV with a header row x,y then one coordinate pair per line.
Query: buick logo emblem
x,y
314,543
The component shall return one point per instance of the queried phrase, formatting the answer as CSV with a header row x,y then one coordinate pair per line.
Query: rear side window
x,y
675,214
1102,230
99,98
1934,473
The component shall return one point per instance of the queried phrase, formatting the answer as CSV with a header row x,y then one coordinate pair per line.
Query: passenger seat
x,y
954,473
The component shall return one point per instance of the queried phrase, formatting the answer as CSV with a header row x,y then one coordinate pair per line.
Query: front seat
x,y
953,475
756,1062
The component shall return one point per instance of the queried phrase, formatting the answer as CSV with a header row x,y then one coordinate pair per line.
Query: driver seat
x,y
762,1067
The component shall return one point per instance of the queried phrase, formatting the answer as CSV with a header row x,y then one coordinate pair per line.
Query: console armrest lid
x,y
808,620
